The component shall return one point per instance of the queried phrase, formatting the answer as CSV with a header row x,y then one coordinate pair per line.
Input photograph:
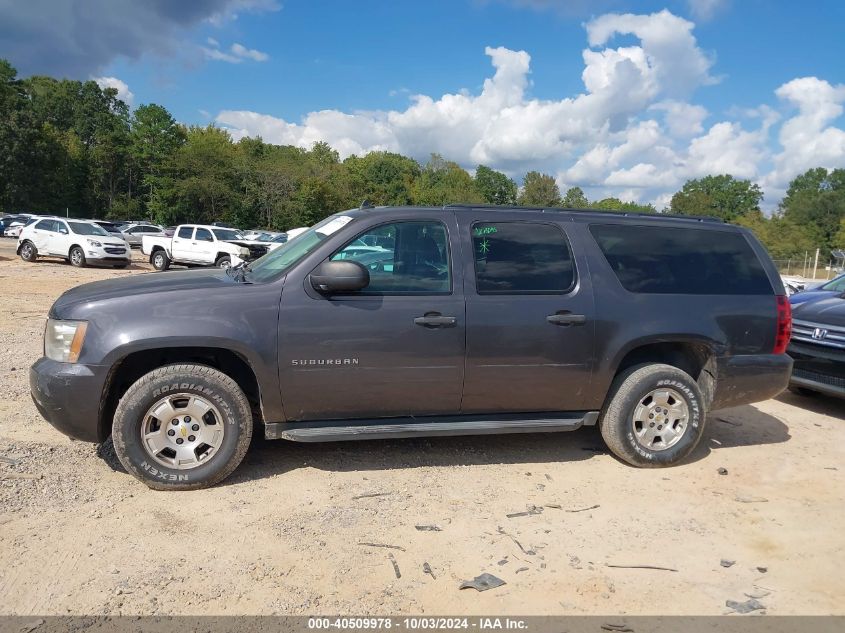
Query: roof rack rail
x,y
619,212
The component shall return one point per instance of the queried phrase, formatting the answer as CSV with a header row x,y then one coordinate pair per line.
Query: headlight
x,y
94,243
244,253
63,340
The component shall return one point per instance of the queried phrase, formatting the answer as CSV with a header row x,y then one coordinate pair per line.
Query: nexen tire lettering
x,y
155,472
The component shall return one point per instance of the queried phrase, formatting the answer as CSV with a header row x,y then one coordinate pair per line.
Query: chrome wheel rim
x,y
158,261
660,419
26,251
182,431
76,258
225,263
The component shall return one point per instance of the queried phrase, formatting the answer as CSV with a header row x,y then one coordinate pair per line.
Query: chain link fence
x,y
809,265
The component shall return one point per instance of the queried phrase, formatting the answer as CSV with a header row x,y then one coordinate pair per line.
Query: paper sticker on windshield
x,y
334,225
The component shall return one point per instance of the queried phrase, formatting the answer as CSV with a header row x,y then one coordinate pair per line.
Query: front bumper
x,y
68,396
818,368
750,378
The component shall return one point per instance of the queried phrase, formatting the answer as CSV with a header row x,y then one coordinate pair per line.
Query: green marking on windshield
x,y
485,230
484,247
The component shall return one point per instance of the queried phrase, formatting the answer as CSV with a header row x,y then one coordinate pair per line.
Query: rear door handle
x,y
436,320
566,319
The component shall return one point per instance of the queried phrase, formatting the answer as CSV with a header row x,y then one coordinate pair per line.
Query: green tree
x,y
383,178
575,199
781,237
615,204
494,186
155,137
816,201
722,196
539,190
444,182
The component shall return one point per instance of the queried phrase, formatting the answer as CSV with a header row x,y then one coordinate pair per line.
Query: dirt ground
x,y
288,532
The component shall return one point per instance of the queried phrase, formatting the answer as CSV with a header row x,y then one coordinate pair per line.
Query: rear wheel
x,y
182,427
802,391
160,260
654,416
28,252
224,261
77,257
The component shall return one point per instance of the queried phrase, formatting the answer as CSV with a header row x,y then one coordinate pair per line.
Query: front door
x,y
181,244
395,348
58,241
204,246
530,318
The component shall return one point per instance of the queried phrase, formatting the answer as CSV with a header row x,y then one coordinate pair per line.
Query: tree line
x,y
72,145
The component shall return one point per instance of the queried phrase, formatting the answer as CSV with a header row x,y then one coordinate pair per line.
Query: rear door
x,y
530,315
181,244
395,348
41,232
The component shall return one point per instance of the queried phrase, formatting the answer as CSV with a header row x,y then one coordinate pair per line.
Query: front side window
x,y
61,227
414,260
204,235
185,232
521,258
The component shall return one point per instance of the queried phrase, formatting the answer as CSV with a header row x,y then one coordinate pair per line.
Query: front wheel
x,y
182,427
77,257
654,416
224,261
28,252
160,260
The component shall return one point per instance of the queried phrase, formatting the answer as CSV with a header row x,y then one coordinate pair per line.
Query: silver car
x,y
133,233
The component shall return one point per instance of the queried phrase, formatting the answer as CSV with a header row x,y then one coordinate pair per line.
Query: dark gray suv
x,y
400,322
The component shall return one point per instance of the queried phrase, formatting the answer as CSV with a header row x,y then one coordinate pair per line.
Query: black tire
x,y
628,391
28,252
224,261
206,382
160,260
77,257
802,391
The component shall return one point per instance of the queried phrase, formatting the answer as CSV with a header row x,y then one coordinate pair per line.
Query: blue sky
x,y
679,88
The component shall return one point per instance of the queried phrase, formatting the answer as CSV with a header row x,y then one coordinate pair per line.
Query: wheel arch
x,y
696,356
130,367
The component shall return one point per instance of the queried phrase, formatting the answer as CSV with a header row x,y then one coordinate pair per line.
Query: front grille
x,y
823,379
818,334
114,250
257,251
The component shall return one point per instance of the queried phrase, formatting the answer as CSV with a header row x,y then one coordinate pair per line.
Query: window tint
x,y
414,258
61,227
521,257
837,285
46,225
204,235
185,232
681,261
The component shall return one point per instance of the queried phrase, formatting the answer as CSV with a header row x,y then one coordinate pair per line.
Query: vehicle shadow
x,y
272,457
817,403
740,426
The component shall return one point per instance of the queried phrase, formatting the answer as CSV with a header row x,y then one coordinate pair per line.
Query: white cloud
x,y
123,92
632,132
705,9
236,54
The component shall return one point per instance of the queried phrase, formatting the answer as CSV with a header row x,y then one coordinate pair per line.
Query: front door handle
x,y
566,318
435,319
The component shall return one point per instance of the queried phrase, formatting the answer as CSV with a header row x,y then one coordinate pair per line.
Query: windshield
x,y
83,228
275,262
227,234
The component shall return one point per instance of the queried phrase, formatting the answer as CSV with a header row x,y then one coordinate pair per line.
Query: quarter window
x,y
402,258
669,260
521,258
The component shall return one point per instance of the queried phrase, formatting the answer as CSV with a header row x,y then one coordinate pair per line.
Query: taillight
x,y
784,327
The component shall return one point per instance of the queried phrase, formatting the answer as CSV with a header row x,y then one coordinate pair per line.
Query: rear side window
x,y
185,232
521,258
46,225
681,261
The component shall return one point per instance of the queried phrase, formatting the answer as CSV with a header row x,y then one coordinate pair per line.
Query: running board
x,y
387,428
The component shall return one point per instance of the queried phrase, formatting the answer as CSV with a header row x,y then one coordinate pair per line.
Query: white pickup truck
x,y
201,245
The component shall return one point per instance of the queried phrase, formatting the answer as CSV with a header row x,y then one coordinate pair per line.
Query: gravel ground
x,y
296,529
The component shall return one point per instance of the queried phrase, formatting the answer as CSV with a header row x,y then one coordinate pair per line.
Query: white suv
x,y
78,241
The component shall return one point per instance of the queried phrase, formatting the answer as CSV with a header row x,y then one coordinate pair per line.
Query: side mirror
x,y
340,276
